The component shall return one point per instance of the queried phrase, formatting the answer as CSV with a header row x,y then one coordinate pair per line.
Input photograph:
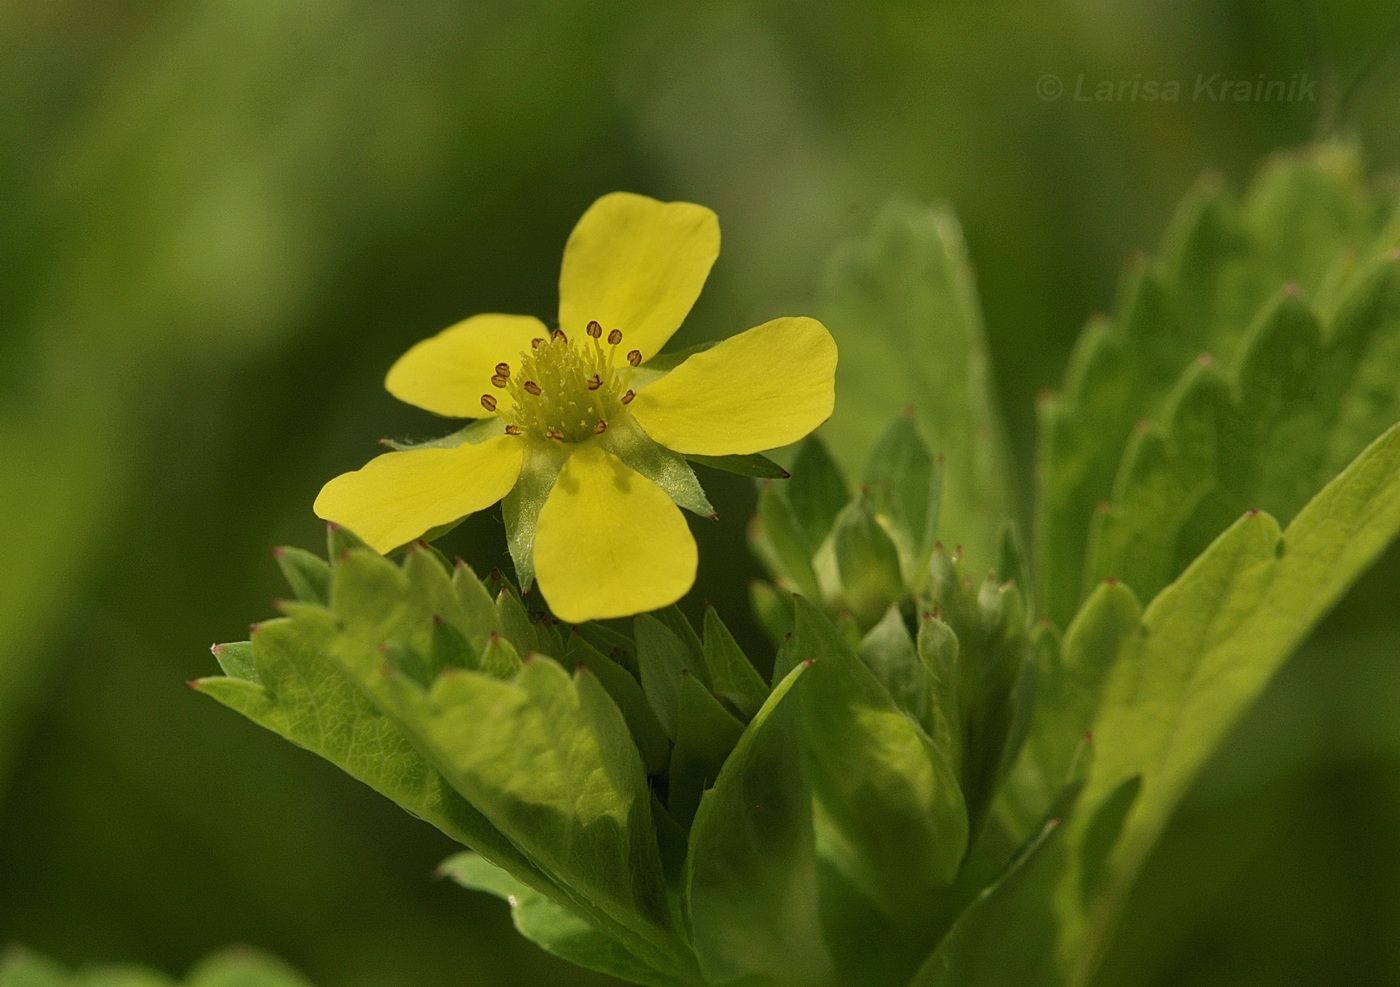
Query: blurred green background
x,y
221,221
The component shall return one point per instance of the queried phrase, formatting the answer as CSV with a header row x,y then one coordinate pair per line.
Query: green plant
x,y
939,763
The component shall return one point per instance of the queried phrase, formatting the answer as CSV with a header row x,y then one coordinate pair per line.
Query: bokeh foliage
x,y
222,223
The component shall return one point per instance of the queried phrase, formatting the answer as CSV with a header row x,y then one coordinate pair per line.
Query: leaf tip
x,y
216,649
278,551
1205,360
712,516
907,411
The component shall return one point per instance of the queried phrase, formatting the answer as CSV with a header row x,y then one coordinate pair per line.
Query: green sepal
x,y
668,470
551,926
307,574
888,651
754,464
472,433
520,509
937,648
817,491
735,679
868,562
705,734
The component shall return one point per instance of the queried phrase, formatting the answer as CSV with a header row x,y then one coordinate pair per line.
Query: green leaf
x,y
754,464
751,873
1307,221
817,491
664,660
1300,409
705,734
652,742
302,695
777,538
902,305
735,678
552,927
1208,646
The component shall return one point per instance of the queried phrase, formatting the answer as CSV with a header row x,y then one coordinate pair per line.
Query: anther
x,y
594,329
554,433
512,429
595,382
532,387
503,370
559,334
635,358
488,402
627,398
615,336
536,343
499,380
600,428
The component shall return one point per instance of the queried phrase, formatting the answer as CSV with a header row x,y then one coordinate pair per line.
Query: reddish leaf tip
x,y
216,649
278,551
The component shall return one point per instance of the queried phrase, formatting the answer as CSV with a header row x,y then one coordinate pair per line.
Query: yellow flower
x,y
584,431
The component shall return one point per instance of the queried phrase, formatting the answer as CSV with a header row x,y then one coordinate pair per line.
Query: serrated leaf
x,y
751,875
549,759
552,927
664,660
1307,220
1269,442
1209,645
817,491
902,305
236,660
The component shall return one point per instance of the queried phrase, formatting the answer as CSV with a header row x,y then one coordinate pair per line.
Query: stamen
x,y
503,370
513,429
627,398
615,336
554,433
635,358
595,382
559,334
532,387
536,343
594,329
499,380
488,402
600,428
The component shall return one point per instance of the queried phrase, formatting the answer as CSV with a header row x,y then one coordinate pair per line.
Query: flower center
x,y
566,390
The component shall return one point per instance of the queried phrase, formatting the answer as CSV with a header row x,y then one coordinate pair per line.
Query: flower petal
x,y
761,389
448,373
397,497
636,265
610,543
